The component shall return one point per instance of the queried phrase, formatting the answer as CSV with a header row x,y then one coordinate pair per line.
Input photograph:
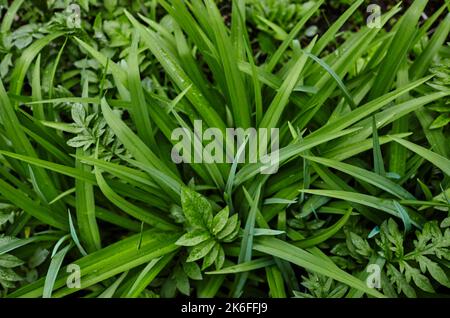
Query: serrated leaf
x,y
81,141
400,281
361,245
422,282
436,272
78,114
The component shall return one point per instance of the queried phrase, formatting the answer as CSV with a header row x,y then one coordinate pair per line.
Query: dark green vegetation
x,y
88,104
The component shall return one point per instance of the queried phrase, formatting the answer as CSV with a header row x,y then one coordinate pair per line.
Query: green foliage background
x,y
88,101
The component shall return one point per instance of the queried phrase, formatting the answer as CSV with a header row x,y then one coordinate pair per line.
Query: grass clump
x,y
90,96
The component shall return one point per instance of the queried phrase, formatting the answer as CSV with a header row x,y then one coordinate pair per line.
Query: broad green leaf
x,y
201,250
196,209
193,238
220,220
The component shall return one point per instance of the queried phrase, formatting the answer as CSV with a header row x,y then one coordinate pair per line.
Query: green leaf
x,y
325,234
245,254
179,77
139,109
244,267
441,121
233,223
421,281
220,258
182,281
211,257
435,271
147,275
9,16
362,246
201,250
302,258
366,176
53,270
139,150
108,262
193,238
9,275
39,257
8,243
367,200
43,213
377,155
192,270
73,234
398,48
400,281
220,220
139,213
436,159
196,209
280,101
404,216
10,261
110,291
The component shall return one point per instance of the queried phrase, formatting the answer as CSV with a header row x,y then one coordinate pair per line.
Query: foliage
x,y
90,95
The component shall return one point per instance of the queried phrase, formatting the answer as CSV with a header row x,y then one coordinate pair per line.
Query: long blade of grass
x,y
436,159
302,258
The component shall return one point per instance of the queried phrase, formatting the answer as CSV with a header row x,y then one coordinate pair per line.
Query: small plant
x,y
205,231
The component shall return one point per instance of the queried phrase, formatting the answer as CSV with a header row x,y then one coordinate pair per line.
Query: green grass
x,y
87,180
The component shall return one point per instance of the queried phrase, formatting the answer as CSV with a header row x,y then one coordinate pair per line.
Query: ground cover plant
x,y
92,203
